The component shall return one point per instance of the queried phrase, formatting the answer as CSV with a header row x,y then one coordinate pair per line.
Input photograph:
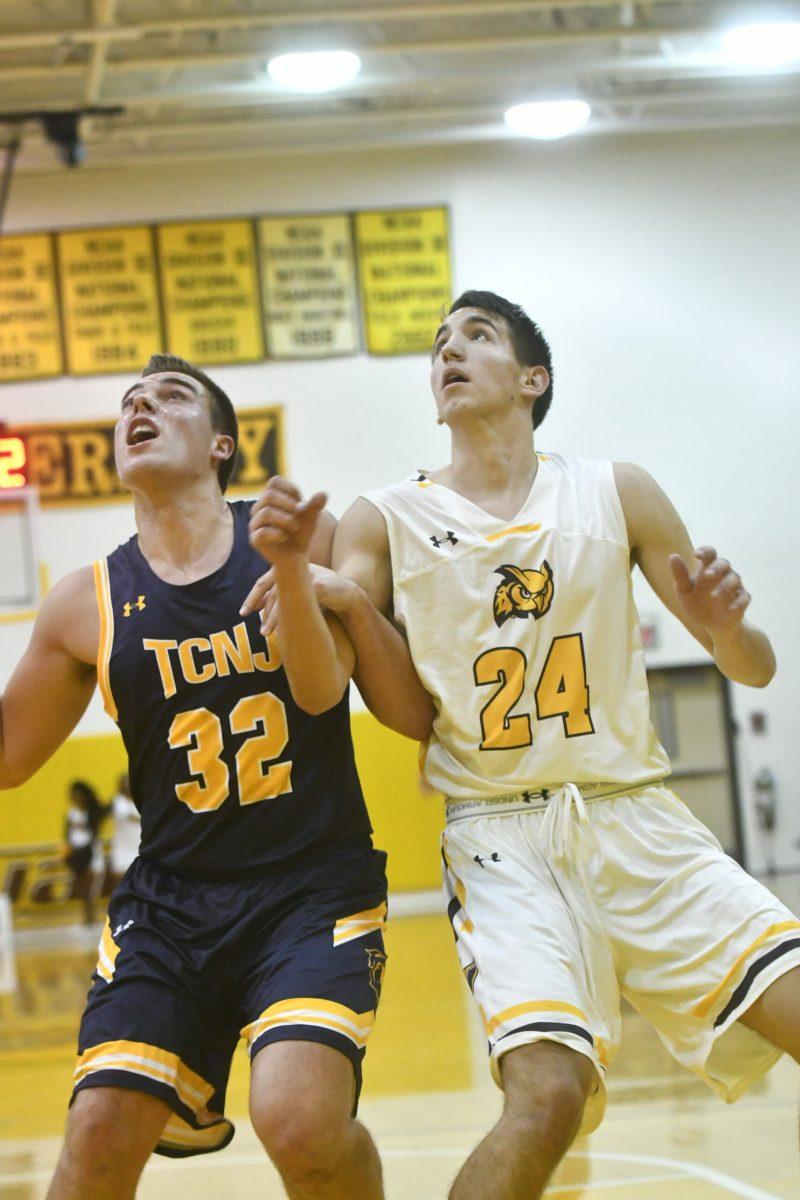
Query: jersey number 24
x,y
562,691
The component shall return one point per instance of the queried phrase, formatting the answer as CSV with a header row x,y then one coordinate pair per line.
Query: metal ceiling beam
x,y
292,17
565,37
104,12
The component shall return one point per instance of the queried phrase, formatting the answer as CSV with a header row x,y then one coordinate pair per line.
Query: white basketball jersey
x,y
525,633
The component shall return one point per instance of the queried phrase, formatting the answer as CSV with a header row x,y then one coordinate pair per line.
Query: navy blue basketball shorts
x,y
187,967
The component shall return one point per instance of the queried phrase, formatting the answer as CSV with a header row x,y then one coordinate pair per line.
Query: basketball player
x,y
573,875
257,905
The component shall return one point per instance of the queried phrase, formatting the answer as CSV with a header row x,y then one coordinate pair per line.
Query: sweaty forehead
x,y
161,379
463,317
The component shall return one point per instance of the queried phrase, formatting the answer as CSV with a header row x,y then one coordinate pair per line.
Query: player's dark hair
x,y
223,417
530,345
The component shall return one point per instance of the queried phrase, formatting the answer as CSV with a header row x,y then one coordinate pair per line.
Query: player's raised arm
x,y
702,590
53,682
359,592
317,655
384,671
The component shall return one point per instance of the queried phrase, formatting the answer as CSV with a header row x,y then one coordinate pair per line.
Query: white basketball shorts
x,y
560,910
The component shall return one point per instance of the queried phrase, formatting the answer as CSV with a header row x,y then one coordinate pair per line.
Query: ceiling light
x,y
769,45
318,71
548,119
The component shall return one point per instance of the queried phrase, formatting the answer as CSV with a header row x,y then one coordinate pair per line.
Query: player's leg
x,y
776,1013
111,1133
546,1086
310,996
545,985
301,1104
151,1053
713,958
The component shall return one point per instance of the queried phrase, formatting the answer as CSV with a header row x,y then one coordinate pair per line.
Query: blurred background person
x,y
85,815
127,830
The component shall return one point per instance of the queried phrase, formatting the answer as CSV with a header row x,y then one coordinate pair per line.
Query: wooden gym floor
x,y
427,1096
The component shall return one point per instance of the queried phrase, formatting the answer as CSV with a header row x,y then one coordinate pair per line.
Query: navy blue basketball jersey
x,y
229,775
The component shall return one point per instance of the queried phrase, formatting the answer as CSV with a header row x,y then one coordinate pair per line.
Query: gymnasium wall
x,y
664,271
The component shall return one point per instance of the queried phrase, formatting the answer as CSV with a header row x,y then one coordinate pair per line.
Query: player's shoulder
x,y
68,616
363,520
632,480
72,592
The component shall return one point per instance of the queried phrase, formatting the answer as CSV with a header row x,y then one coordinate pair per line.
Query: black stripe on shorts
x,y
552,1027
753,971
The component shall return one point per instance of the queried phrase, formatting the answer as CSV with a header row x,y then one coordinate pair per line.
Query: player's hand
x,y
282,524
712,594
332,592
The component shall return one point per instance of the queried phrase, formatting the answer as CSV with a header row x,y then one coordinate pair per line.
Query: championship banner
x,y
309,286
30,335
74,463
109,296
404,270
210,289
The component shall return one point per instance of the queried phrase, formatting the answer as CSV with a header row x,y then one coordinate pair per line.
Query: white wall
x,y
664,271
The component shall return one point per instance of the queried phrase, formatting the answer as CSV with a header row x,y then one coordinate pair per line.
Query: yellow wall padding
x,y
407,821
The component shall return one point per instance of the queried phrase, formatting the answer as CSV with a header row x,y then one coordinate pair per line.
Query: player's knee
x,y
548,1085
110,1130
304,1141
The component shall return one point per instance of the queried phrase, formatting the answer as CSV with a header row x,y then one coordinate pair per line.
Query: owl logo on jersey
x,y
524,592
376,960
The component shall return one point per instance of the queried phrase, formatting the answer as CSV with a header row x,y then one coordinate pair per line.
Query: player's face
x,y
164,426
474,368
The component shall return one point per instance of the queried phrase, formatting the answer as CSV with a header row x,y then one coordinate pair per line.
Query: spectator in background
x,y
81,828
127,830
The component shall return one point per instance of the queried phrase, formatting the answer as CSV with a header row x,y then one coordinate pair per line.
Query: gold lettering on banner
x,y
46,462
74,463
253,435
92,473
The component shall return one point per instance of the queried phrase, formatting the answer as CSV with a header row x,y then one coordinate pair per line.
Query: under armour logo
x,y
493,857
450,537
128,608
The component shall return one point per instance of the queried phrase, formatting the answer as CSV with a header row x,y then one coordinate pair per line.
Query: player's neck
x,y
184,536
495,468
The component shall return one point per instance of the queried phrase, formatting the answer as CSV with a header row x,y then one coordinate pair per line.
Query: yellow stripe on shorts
x,y
531,1006
355,926
177,1133
308,1010
708,1001
107,954
151,1062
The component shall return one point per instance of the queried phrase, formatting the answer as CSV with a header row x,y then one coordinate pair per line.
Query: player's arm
x,y
701,589
318,657
384,669
53,682
359,592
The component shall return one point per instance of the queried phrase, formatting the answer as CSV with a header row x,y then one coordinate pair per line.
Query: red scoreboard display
x,y
13,463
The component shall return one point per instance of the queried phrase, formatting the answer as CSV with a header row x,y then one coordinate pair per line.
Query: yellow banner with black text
x,y
237,290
